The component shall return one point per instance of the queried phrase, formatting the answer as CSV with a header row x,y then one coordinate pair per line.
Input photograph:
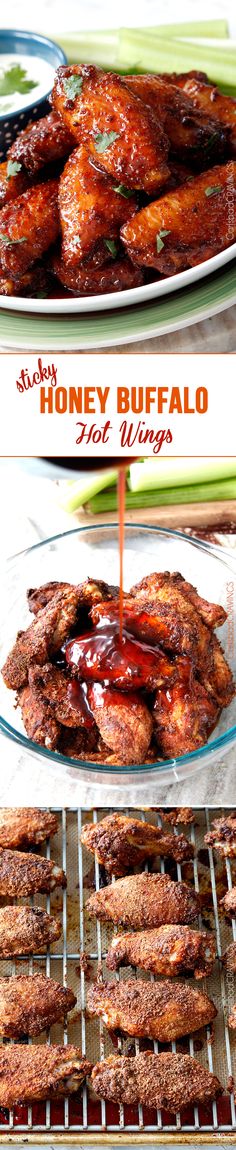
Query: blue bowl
x,y
30,44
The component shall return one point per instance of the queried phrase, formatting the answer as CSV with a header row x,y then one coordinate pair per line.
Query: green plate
x,y
104,329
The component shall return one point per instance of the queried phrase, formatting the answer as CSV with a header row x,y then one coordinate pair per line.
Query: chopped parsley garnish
x,y
13,80
161,235
214,190
72,86
9,243
13,168
103,140
111,247
122,191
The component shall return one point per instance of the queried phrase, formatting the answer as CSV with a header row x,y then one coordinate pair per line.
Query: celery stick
x,y
175,471
196,493
102,47
83,489
155,54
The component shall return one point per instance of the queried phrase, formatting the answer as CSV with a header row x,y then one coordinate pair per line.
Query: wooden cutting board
x,y
199,515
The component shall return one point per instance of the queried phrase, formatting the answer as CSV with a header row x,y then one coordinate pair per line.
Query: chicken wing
x,y
22,874
223,836
124,722
40,724
184,718
167,1080
213,614
207,98
26,930
66,698
186,226
43,638
229,957
145,900
13,181
158,1010
91,210
101,657
31,1073
232,1018
23,826
122,134
169,950
197,139
35,282
28,227
38,597
229,902
178,815
119,843
45,142
30,1004
116,275
161,615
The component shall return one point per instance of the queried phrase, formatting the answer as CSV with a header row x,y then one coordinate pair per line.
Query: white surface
x,y
54,17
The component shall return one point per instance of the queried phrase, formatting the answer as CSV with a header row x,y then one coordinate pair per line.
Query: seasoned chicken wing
x,y
196,138
26,930
28,227
43,638
91,210
159,1010
123,134
184,718
124,722
223,836
145,900
31,1073
23,826
229,902
66,698
161,614
178,815
116,275
229,957
13,181
22,874
167,1080
38,597
232,1018
207,98
31,283
44,142
39,722
119,843
30,1004
169,950
101,657
213,614
186,226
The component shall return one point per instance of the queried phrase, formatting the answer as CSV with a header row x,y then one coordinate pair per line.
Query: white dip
x,y
16,74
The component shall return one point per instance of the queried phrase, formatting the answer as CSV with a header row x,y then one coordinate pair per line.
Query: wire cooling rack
x,y
80,956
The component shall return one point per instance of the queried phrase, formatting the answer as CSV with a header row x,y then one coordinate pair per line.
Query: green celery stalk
x,y
177,472
103,46
196,493
78,493
152,53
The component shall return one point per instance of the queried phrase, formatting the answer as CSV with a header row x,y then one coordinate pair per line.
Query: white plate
x,y
119,299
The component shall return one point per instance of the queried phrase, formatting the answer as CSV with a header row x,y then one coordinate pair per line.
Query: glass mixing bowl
x,y
93,551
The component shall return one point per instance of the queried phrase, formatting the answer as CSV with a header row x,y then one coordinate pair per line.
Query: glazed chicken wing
x,y
145,900
122,134
30,1004
114,276
28,227
43,638
45,142
23,826
167,1080
195,137
229,902
223,836
64,697
184,718
91,210
158,1010
40,724
161,614
26,930
31,283
169,950
124,722
22,874
12,182
119,843
186,226
31,1073
207,98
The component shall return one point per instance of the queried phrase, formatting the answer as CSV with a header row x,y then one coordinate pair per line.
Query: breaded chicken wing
x,y
23,826
145,900
195,138
39,722
26,930
22,874
45,142
207,98
43,638
167,1080
186,226
229,957
169,950
124,722
158,1010
31,1073
91,210
223,836
229,902
28,227
184,718
123,135
114,276
30,1004
12,183
120,842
